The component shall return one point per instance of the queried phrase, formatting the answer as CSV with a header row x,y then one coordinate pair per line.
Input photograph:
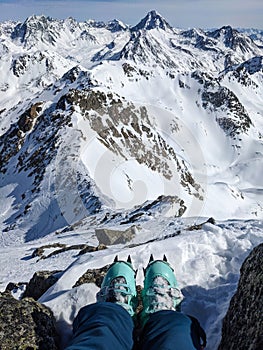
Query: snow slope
x,y
102,125
195,130
206,264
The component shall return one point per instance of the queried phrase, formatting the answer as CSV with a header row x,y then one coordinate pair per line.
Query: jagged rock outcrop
x,y
82,248
128,132
25,62
12,141
40,283
243,324
92,276
39,252
113,236
200,226
233,39
26,324
216,98
159,206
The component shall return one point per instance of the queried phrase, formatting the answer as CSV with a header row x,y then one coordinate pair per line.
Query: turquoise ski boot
x,y
160,290
119,286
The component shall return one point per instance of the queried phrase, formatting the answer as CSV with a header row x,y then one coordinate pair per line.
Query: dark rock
x,y
72,74
220,98
40,283
116,26
243,324
11,286
90,249
26,325
13,140
169,200
92,276
160,205
132,218
83,248
14,287
39,252
200,226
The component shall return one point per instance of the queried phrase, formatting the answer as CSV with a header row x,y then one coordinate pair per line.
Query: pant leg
x,y
168,330
102,326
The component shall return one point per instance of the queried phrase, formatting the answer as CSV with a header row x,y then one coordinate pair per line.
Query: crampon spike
x,y
164,258
116,258
151,258
129,259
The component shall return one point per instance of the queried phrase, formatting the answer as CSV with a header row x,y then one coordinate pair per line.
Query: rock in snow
x,y
111,236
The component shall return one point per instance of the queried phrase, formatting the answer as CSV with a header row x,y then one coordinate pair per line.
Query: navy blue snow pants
x,y
108,326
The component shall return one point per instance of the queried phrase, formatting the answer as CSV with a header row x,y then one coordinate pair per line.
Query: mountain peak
x,y
226,31
116,26
151,21
32,26
233,39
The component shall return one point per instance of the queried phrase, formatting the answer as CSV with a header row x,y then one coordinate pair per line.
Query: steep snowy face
x,y
233,39
151,21
242,47
98,116
36,29
129,132
255,34
116,26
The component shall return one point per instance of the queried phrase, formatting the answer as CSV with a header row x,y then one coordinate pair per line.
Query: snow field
x,y
206,264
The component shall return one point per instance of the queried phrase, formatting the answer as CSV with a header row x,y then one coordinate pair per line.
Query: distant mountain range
x,y
102,120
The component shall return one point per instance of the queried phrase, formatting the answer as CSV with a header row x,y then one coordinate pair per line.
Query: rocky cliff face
x,y
243,323
26,324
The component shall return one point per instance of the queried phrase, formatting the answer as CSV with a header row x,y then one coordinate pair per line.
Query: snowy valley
x,y
103,125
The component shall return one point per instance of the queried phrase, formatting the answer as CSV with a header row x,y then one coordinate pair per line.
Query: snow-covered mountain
x,y
106,124
168,111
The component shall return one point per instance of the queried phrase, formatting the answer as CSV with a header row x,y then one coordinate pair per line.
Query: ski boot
x,y
160,290
119,285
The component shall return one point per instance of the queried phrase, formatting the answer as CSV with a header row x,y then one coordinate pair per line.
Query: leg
x,y
108,324
168,330
102,326
164,328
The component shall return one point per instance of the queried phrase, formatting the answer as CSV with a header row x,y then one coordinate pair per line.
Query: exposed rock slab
x,y
113,236
243,323
92,276
26,324
40,283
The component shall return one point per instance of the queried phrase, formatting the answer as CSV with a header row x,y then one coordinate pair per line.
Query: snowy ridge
x,y
104,125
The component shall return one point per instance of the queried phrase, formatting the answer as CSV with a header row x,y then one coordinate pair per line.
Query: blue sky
x,y
179,13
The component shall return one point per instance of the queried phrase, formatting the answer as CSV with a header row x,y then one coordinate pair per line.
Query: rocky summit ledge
x,y
26,324
243,323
